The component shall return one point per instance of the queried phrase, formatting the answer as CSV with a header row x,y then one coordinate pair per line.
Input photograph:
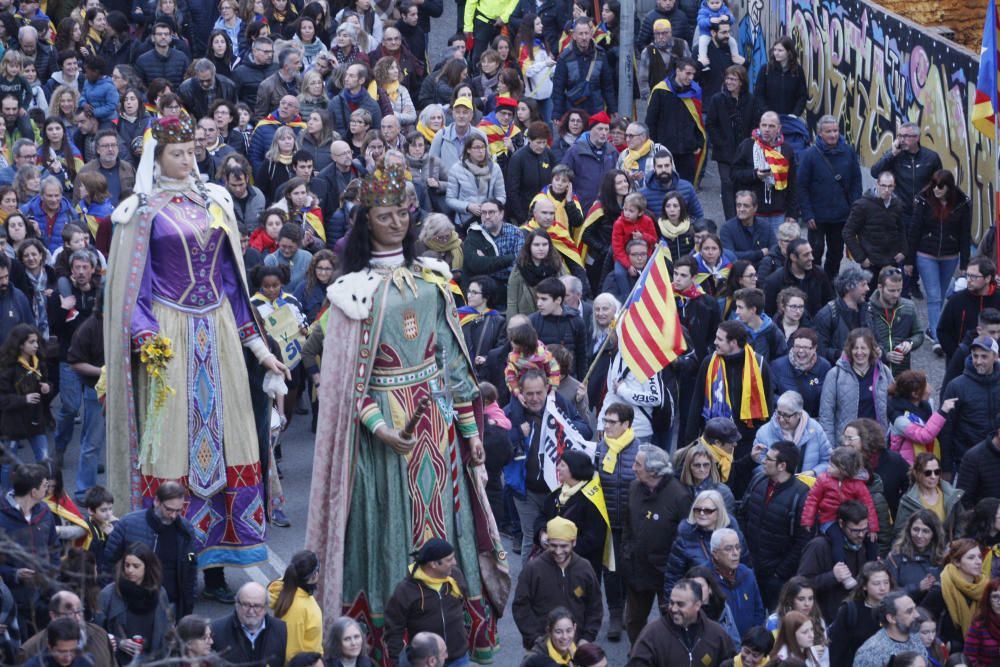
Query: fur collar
x,y
354,293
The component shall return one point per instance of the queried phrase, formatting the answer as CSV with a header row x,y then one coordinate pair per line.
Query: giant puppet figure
x,y
384,481
177,318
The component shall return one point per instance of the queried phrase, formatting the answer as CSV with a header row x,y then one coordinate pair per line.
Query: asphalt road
x,y
298,453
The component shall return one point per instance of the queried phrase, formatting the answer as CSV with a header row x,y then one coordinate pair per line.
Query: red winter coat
x,y
826,496
621,234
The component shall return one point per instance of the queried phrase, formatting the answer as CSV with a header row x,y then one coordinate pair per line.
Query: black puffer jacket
x,y
979,475
912,172
933,236
773,528
976,416
648,531
616,484
833,323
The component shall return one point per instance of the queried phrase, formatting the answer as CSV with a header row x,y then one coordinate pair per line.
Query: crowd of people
x,y
285,207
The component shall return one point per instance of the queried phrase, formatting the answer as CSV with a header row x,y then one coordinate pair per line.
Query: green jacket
x,y
893,326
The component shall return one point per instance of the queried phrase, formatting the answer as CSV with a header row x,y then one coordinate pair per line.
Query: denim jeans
x,y
91,441
39,446
70,397
936,274
528,509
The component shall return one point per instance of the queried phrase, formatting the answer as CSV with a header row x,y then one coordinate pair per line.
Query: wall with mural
x,y
873,70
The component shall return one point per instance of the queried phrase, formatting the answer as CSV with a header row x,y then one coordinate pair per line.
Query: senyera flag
x,y
984,111
649,331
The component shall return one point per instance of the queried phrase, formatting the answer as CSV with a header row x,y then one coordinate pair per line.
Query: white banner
x,y
558,435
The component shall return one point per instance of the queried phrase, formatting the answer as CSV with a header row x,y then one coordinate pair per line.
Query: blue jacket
x,y
821,197
691,547
784,377
52,238
14,304
103,98
139,526
655,192
743,598
571,69
525,472
814,446
748,244
263,133
588,169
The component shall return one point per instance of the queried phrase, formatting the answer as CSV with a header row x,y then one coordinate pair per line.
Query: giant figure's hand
x,y
395,440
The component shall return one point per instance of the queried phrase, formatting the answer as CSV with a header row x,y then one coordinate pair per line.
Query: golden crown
x,y
174,129
384,187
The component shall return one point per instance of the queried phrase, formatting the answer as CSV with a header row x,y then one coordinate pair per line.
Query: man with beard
x,y
665,180
898,615
674,118
14,306
657,60
15,124
557,578
963,307
720,58
723,394
802,370
799,271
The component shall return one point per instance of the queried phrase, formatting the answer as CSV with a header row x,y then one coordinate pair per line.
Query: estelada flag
x,y
649,332
984,110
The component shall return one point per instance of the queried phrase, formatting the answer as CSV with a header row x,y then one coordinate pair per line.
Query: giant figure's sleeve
x,y
144,324
239,301
461,381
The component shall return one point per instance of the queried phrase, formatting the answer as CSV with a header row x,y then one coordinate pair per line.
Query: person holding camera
x,y
825,208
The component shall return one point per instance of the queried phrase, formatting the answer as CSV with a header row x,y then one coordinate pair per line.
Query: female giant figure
x,y
175,279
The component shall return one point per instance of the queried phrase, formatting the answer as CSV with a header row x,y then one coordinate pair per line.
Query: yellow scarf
x,y
722,457
558,657
630,161
738,660
566,492
392,90
283,159
436,584
452,245
427,132
958,593
30,365
615,446
672,231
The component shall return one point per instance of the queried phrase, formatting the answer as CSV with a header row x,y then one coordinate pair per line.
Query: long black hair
x,y
11,348
303,565
358,250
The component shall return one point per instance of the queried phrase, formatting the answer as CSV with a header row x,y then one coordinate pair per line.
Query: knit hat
x,y
661,24
600,117
721,429
561,529
506,103
433,549
580,465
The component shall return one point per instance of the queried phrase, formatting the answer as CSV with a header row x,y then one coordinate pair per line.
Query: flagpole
x,y
621,310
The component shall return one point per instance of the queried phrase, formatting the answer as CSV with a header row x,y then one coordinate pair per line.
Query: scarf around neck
x,y
392,90
722,457
769,156
960,596
630,161
566,492
435,583
558,657
615,446
452,245
671,231
30,365
427,132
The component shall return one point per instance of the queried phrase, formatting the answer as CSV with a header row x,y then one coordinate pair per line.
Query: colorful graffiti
x,y
874,70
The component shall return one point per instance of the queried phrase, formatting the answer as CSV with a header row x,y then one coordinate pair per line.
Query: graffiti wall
x,y
874,70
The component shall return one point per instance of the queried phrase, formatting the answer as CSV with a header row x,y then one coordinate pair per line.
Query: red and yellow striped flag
x,y
649,332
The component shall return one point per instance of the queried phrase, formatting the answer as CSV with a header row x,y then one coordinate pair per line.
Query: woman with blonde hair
x,y
387,76
313,93
277,166
63,104
698,472
692,545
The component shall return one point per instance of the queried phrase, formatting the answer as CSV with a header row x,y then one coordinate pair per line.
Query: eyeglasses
x,y
858,531
251,607
908,136
611,422
772,460
891,271
787,415
704,510
851,438
994,597
633,135
973,276
796,306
